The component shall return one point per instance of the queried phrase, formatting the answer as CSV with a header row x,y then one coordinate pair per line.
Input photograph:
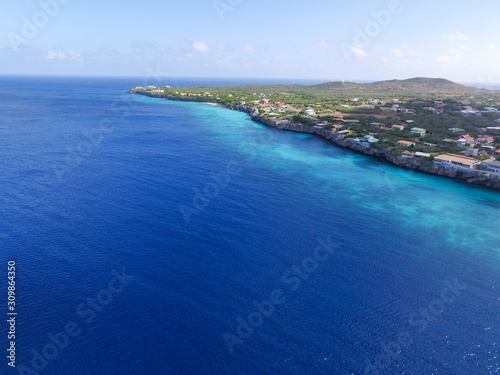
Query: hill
x,y
419,86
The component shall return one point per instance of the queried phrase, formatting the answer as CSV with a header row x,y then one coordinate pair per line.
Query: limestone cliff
x,y
472,176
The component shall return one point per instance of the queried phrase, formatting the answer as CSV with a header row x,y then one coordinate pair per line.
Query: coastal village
x,y
460,132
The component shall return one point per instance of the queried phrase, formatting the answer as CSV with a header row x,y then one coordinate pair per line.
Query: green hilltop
x,y
329,91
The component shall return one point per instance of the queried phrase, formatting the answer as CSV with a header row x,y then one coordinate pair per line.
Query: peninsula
x,y
424,124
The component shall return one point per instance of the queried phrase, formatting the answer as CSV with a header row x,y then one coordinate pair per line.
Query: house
x,y
469,112
418,131
310,112
490,148
337,126
455,130
472,152
406,143
456,160
378,125
486,140
345,132
492,166
410,121
464,139
354,122
397,127
491,109
419,154
429,144
497,152
369,139
406,153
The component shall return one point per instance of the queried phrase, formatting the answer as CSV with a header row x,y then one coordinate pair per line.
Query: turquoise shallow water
x,y
466,216
371,269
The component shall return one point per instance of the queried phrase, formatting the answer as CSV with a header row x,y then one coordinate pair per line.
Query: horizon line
x,y
323,80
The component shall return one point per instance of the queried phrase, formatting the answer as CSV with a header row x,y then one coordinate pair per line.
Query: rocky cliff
x,y
472,176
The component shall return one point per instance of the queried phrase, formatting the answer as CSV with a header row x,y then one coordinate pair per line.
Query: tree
x,y
303,120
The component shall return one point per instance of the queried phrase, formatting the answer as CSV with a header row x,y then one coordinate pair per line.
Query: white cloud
x,y
107,51
249,47
398,53
359,52
453,57
456,36
444,59
201,47
322,44
59,55
141,44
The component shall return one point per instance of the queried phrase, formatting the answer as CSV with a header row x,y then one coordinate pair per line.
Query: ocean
x,y
161,237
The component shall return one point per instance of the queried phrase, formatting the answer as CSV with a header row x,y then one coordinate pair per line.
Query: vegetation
x,y
304,120
446,110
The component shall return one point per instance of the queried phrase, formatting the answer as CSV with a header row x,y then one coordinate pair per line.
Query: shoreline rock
x,y
469,176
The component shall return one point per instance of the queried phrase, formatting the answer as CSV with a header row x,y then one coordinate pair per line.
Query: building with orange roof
x,y
485,140
465,139
456,160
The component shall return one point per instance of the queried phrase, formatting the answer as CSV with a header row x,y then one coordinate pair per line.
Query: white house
x,y
418,131
369,138
310,112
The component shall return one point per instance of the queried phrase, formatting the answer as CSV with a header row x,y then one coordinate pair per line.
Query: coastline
x,y
467,175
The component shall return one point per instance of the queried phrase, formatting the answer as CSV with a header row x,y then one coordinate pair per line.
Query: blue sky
x,y
263,39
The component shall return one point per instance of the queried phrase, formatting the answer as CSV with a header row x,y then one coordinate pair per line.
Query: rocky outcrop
x,y
472,176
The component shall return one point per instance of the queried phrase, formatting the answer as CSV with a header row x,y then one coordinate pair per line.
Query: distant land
x,y
412,86
428,124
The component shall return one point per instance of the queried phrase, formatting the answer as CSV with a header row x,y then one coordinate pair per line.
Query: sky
x,y
330,40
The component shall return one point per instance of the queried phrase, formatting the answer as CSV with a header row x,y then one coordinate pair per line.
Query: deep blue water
x,y
212,214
